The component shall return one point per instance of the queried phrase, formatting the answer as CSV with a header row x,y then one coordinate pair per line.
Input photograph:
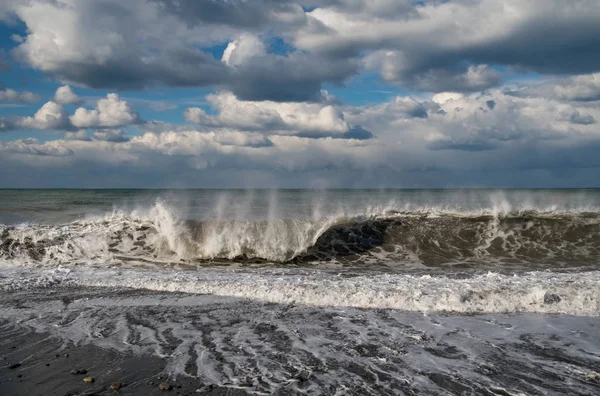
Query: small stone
x,y
593,377
550,298
47,364
78,371
115,386
14,366
165,387
304,375
88,380
19,376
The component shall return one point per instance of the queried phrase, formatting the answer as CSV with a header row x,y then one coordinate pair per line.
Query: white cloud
x,y
242,50
64,95
31,146
110,112
289,118
50,116
214,150
585,87
10,95
478,122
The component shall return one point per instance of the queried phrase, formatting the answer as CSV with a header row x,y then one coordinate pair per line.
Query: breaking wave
x,y
424,237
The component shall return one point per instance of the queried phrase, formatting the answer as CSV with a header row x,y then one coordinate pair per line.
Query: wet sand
x,y
204,344
41,364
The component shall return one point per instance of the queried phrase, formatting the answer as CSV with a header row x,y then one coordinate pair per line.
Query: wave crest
x,y
428,237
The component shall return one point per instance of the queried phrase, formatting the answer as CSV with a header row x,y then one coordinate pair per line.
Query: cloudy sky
x,y
285,93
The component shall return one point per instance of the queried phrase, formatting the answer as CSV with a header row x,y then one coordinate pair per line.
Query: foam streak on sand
x,y
294,349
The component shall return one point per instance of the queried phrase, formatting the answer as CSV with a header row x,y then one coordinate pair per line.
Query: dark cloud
x,y
297,77
139,44
430,45
462,146
111,135
236,13
577,118
181,68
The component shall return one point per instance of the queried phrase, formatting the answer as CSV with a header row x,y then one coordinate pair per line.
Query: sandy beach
x,y
202,344
42,364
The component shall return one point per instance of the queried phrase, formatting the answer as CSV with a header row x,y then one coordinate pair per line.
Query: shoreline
x,y
217,345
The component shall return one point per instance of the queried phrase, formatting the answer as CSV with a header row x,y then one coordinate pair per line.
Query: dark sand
x,y
45,364
281,349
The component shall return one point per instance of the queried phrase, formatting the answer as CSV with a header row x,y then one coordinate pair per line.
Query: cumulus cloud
x,y
576,117
50,116
270,116
212,150
430,45
77,135
256,74
138,43
435,45
302,119
10,95
415,42
582,88
478,122
111,135
110,112
112,44
252,15
513,141
65,96
32,146
458,78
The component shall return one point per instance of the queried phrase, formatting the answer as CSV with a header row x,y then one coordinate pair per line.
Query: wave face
x,y
388,237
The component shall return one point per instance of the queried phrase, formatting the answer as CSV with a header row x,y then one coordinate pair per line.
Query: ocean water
x,y
319,292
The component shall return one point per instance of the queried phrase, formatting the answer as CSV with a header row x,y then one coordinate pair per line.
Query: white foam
x,y
168,238
266,348
535,292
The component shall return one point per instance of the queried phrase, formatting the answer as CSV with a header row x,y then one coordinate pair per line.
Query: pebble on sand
x,y
88,380
115,386
165,387
78,371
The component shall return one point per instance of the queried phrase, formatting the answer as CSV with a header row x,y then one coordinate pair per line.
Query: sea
x,y
334,292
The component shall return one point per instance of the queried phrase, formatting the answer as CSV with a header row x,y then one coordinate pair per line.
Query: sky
x,y
299,94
